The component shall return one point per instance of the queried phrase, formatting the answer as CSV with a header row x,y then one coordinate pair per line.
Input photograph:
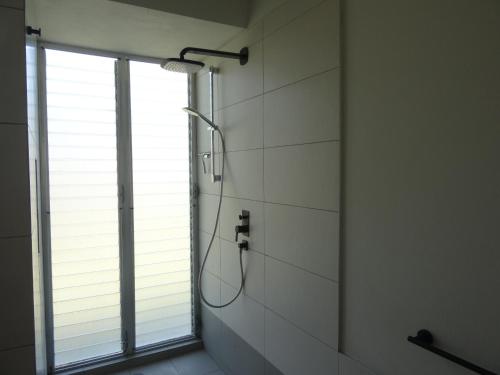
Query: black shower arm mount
x,y
242,56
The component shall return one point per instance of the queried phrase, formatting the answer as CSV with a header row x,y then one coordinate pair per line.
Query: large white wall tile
x,y
213,261
307,300
243,174
16,293
253,269
231,208
347,366
286,13
246,38
12,66
296,353
18,361
242,125
236,83
245,317
207,210
14,177
307,238
305,175
306,46
211,290
203,92
307,111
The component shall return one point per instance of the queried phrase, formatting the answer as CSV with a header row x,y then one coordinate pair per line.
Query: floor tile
x,y
196,363
160,368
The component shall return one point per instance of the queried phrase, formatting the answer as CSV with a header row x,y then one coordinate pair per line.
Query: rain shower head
x,y
194,112
182,65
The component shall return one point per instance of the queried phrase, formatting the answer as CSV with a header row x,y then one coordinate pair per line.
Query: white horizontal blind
x,y
160,150
81,125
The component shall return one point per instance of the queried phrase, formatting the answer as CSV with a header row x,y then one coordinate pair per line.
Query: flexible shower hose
x,y
202,296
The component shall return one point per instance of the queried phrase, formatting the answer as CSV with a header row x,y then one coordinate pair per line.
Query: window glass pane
x,y
84,209
160,149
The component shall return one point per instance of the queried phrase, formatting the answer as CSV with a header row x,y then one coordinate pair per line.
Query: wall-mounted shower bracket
x,y
215,177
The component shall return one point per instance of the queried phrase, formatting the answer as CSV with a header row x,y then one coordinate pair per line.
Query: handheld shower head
x,y
194,112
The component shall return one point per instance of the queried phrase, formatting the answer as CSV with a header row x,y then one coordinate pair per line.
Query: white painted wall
x,y
17,351
422,182
280,114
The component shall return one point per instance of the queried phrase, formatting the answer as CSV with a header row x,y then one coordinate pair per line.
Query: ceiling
x,y
118,27
230,12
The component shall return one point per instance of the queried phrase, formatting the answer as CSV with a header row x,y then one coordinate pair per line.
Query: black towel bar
x,y
425,340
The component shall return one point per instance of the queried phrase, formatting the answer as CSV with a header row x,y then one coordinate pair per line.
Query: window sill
x,y
123,362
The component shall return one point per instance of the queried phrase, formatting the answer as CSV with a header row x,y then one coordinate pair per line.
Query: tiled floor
x,y
195,363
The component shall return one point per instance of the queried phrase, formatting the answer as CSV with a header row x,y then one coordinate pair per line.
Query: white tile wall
x,y
211,290
16,293
296,353
304,112
253,267
246,317
213,261
280,115
303,237
202,93
307,300
243,174
242,125
236,83
286,13
290,54
207,205
305,175
14,174
12,66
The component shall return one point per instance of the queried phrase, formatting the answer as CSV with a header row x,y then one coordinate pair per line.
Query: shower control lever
x,y
243,245
244,228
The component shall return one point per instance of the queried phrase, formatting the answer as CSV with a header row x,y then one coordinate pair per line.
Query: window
x,y
160,151
98,248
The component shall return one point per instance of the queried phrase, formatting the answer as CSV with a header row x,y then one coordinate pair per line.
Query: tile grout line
x,y
274,203
293,19
267,308
264,193
300,80
288,263
264,92
285,145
